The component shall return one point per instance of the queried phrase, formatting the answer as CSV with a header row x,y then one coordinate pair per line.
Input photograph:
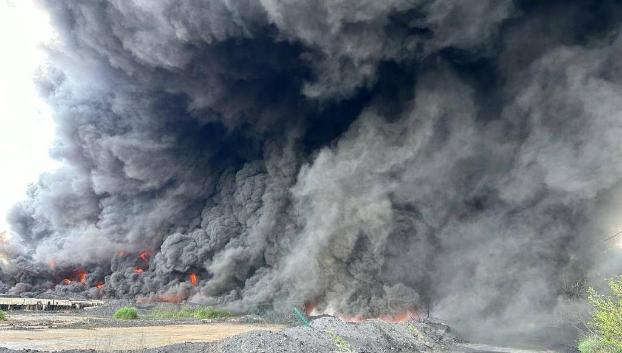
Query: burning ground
x,y
363,158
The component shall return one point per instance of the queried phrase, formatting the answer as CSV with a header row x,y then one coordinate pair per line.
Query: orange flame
x,y
396,317
99,285
308,307
138,270
52,264
81,276
355,318
77,275
144,255
194,279
399,317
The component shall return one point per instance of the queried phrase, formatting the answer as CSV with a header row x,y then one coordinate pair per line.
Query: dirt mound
x,y
328,334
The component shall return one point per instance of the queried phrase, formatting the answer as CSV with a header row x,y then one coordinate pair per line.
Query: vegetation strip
x,y
197,313
126,313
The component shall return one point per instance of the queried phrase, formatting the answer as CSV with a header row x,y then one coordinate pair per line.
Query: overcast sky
x,y
26,128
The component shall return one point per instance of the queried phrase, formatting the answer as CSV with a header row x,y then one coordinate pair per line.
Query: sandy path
x,y
122,338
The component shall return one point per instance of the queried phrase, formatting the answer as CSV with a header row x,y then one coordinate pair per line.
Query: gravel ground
x,y
329,334
325,335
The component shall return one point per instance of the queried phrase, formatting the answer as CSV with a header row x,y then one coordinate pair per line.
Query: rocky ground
x,y
329,334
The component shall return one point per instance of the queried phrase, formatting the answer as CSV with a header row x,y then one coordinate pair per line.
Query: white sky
x,y
26,127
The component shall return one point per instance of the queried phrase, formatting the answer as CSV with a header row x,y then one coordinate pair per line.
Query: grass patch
x,y
597,345
420,336
412,328
126,313
340,343
187,313
2,316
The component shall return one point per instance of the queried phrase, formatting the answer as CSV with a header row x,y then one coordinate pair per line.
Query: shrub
x,y
2,316
211,313
197,313
596,344
606,319
126,313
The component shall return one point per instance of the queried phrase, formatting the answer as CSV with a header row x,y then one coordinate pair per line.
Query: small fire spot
x,y
144,255
193,278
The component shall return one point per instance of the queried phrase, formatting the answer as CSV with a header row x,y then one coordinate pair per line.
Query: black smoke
x,y
367,157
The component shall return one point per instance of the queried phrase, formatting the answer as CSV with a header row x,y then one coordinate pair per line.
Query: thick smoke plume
x,y
364,157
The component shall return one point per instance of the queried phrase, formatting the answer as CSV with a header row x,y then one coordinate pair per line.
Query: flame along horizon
x,y
408,315
81,275
178,295
310,309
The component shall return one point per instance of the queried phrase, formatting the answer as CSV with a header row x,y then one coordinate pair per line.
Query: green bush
x,y
126,313
596,344
211,313
186,313
2,316
606,321
607,313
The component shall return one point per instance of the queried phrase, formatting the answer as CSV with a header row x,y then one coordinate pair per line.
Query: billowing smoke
x,y
364,157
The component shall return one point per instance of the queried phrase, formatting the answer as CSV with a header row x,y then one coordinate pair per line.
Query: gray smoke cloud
x,y
364,157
